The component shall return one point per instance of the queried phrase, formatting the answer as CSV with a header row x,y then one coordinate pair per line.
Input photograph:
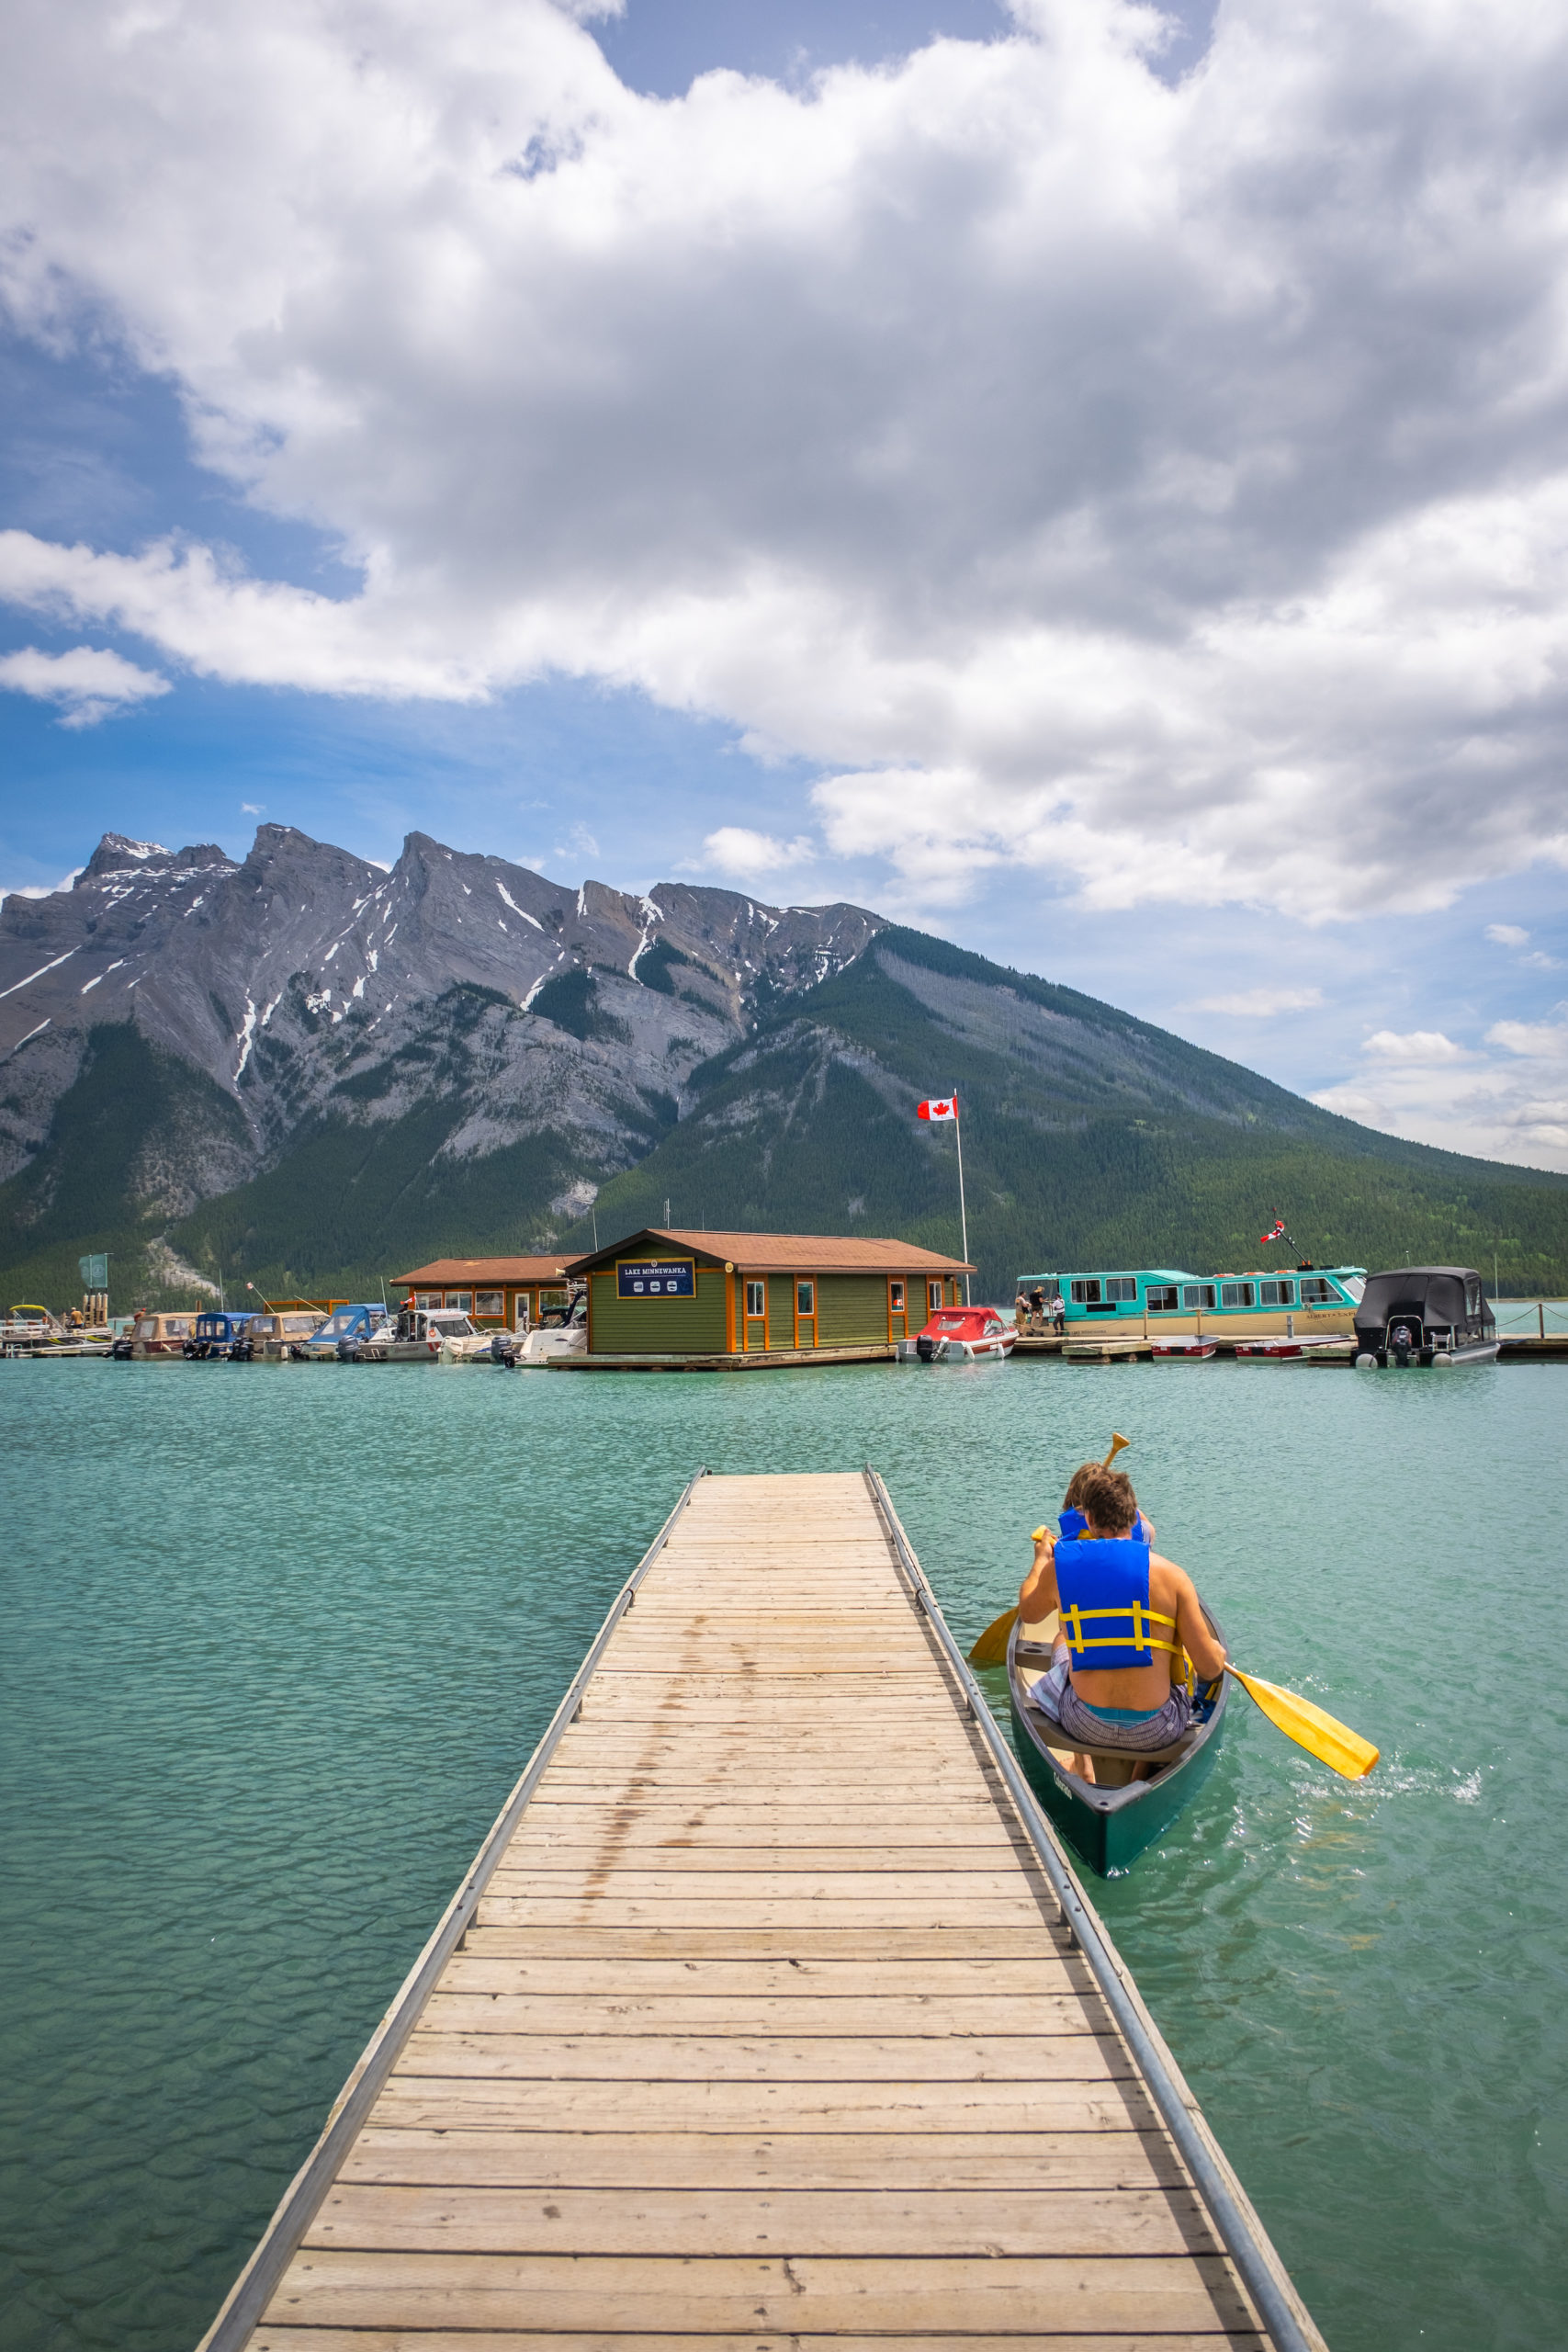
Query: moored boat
x,y
1161,1302
158,1339
1424,1315
1195,1351
424,1335
960,1335
218,1334
1111,1820
1291,1351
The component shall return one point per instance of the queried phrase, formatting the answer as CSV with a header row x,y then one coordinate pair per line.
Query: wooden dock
x,y
768,2018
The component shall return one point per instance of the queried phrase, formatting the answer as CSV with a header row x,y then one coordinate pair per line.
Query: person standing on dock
x,y
1126,1614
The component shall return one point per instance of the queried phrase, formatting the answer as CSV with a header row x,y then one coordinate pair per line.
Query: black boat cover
x,y
1450,1296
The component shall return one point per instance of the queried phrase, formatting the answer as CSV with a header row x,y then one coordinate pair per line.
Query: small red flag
x,y
939,1107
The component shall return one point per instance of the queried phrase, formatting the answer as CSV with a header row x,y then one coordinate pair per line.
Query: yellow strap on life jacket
x,y
1136,1614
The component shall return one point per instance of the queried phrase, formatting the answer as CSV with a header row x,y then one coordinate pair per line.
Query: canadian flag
x,y
939,1107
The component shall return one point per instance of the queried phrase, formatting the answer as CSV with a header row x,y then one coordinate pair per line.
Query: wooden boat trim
x,y
248,2298
1235,2225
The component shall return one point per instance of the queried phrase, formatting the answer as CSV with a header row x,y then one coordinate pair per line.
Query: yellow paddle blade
x,y
991,1649
1334,1743
1119,1444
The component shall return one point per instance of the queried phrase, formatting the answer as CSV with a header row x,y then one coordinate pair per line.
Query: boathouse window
x,y
552,1302
1085,1294
461,1299
756,1298
1121,1286
1162,1298
934,1300
1277,1293
489,1302
1239,1294
806,1299
1197,1295
895,1298
1315,1292
427,1298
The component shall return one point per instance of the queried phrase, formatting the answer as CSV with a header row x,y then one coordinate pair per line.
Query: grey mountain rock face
x,y
308,984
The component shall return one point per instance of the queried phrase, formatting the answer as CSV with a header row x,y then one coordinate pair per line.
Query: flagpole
x,y
962,1213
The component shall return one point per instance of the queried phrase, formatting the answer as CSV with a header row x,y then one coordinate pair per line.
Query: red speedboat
x,y
1199,1351
959,1335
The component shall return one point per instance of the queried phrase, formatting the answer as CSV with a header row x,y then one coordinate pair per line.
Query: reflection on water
x,y
276,1640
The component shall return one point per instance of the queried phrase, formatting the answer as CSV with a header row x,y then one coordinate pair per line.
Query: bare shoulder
x,y
1171,1580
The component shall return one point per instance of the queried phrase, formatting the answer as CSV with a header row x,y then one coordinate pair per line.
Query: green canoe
x,y
1109,1828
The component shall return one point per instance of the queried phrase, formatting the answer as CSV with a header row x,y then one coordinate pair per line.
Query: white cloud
x,y
1507,935
89,682
1159,486
40,890
1537,1040
736,850
1424,1086
1423,1045
252,807
1261,1004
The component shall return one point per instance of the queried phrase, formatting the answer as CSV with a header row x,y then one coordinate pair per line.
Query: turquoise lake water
x,y
275,1642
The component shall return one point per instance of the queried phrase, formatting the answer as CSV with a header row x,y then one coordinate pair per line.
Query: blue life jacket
x,y
1103,1591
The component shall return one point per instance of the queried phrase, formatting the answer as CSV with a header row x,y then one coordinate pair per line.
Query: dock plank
x,y
765,2033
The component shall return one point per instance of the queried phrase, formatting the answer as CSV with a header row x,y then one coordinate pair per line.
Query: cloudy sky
x,y
1090,481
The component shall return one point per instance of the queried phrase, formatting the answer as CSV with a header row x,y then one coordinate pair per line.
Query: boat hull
x,y
1109,1828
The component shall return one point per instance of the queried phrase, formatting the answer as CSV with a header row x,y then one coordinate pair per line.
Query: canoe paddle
x,y
991,1649
1333,1743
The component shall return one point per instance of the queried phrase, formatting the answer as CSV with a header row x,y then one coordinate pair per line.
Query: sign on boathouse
x,y
656,1278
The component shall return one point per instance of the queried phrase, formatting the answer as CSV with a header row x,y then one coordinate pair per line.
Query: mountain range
x,y
308,1071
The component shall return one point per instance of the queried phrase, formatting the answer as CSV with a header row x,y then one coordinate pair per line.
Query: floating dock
x,y
769,2018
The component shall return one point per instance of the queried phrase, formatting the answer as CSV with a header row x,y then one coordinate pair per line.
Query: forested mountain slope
x,y
303,1071
1090,1139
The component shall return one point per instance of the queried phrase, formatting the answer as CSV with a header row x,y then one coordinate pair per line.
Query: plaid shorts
x,y
1056,1698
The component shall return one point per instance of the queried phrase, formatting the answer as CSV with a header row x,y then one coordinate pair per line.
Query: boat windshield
x,y
452,1325
342,1321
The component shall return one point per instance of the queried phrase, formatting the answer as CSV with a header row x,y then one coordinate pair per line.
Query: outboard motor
x,y
348,1347
120,1352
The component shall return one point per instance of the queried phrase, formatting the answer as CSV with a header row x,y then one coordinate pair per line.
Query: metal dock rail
x,y
768,2016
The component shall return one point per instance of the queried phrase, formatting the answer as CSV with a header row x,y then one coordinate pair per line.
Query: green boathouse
x,y
739,1296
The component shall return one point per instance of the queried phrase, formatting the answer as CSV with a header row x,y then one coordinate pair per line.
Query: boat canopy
x,y
345,1319
1447,1296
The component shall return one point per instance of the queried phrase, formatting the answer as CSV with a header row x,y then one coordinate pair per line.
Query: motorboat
x,y
217,1334
558,1334
278,1335
1173,1350
1424,1315
156,1337
960,1335
424,1335
346,1336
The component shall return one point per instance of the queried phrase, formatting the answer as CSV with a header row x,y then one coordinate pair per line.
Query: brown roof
x,y
471,1271
787,1253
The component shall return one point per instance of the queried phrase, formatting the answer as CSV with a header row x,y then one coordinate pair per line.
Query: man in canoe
x,y
1126,1614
